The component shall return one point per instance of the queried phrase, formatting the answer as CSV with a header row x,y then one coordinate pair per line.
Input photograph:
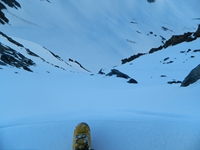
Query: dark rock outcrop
x,y
192,77
9,3
132,81
197,33
155,49
101,72
196,50
186,37
12,3
9,56
174,82
132,58
11,40
118,74
177,39
3,18
71,60
151,1
121,75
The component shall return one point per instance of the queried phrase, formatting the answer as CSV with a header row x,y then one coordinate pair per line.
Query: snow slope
x,y
41,113
40,110
104,32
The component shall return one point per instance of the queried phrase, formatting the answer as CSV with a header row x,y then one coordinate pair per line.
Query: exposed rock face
x,y
155,49
176,39
9,3
9,56
12,3
3,18
11,40
192,77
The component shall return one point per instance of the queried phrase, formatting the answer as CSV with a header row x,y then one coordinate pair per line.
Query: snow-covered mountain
x,y
104,32
59,59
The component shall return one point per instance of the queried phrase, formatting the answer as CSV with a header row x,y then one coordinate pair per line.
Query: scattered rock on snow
x,y
132,81
163,76
196,50
101,72
118,73
174,82
166,58
121,75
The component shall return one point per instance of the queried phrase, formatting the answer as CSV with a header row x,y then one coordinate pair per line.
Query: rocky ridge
x,y
174,40
12,57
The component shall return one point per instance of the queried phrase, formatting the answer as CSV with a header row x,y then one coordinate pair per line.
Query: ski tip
x,y
83,123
